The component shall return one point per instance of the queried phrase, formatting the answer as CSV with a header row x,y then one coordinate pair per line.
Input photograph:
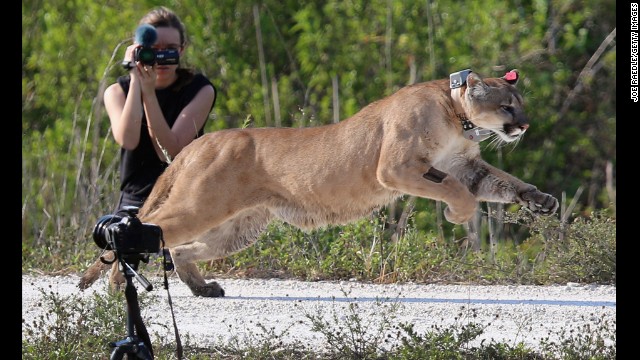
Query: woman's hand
x,y
128,54
142,74
147,76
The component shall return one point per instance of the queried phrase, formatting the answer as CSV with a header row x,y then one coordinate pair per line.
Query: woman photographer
x,y
156,110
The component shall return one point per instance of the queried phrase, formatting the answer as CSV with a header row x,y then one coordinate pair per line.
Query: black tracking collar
x,y
469,130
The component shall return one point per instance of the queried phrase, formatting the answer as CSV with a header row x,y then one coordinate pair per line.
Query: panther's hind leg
x,y
230,237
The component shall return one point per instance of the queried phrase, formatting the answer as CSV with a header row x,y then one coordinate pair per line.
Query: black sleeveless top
x,y
141,167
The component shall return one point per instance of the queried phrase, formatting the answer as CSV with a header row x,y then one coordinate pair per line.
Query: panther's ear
x,y
512,77
476,86
473,79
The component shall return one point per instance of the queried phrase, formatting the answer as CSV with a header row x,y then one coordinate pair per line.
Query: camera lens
x,y
100,230
146,55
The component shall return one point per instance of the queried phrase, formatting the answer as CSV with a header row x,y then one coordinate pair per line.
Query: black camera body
x,y
146,35
127,234
149,56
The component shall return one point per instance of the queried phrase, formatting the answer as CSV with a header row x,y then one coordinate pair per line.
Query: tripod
x,y
137,344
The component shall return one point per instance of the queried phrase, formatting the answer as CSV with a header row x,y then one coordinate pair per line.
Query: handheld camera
x,y
150,56
146,35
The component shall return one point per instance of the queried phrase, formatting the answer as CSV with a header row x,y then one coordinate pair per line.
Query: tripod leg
x,y
132,347
137,345
118,353
134,319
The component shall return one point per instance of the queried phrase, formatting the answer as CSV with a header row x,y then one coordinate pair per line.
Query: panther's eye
x,y
507,108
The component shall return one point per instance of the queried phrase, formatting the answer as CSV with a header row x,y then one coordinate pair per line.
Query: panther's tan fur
x,y
222,190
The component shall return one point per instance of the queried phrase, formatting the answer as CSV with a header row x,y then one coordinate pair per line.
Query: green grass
x,y
365,251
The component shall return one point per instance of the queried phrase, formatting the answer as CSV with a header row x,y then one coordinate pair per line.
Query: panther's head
x,y
495,104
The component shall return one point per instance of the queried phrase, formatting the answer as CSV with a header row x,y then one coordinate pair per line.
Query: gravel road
x,y
513,313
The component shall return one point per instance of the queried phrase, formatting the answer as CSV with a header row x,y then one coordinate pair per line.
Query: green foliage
x,y
595,340
583,251
439,343
360,50
352,333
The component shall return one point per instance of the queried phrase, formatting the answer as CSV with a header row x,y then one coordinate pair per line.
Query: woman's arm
x,y
186,126
125,114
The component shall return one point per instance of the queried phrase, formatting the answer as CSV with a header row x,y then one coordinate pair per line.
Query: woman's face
x,y
168,38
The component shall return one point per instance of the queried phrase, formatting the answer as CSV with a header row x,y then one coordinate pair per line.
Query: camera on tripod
x,y
127,235
132,241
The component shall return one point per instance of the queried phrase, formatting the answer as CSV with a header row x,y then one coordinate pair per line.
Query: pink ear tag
x,y
511,75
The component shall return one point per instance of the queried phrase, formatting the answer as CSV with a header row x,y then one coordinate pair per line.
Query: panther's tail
x,y
94,271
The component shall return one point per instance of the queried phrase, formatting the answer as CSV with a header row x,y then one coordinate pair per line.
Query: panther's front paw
x,y
539,202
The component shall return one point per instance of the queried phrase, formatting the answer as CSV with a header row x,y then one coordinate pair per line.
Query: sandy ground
x,y
512,314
